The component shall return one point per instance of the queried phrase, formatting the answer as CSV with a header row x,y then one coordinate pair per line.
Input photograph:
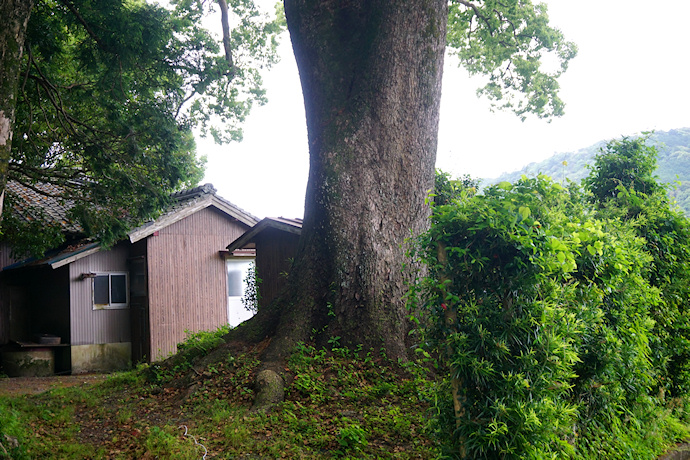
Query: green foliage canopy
x,y
623,166
109,94
513,44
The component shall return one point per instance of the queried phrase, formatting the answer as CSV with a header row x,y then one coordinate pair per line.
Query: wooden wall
x,y
4,313
8,294
32,300
49,302
89,326
187,278
274,249
5,256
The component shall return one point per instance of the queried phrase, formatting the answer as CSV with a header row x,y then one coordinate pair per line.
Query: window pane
x,y
118,286
237,273
235,281
100,290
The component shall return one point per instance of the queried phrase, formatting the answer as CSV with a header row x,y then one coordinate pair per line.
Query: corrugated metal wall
x,y
187,278
89,326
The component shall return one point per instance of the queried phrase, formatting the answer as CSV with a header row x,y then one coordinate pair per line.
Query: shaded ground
x,y
681,452
338,405
16,386
374,402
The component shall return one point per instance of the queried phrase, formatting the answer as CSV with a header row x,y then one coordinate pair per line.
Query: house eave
x,y
59,260
210,200
279,223
84,252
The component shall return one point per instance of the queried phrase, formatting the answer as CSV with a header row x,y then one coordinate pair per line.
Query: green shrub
x,y
167,442
622,184
541,318
352,438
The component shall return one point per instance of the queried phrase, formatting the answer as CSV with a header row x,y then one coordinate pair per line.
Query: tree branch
x,y
225,19
476,12
83,22
510,23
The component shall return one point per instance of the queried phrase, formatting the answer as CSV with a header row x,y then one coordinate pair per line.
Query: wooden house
x,y
275,240
133,302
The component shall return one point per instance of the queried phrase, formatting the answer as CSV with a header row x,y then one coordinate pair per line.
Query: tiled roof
x,y
194,192
185,197
190,201
30,205
184,203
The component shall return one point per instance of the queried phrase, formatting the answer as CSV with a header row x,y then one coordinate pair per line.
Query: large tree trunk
x,y
371,77
14,17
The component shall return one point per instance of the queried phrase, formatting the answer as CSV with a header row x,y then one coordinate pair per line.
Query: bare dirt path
x,y
17,386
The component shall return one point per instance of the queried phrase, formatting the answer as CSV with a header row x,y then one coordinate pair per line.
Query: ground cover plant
x,y
340,404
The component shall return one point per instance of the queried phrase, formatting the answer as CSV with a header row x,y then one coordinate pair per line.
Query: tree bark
x,y
371,78
14,17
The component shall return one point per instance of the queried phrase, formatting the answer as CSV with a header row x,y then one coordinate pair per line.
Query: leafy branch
x,y
507,42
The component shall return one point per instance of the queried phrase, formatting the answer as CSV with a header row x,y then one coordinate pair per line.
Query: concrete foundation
x,y
103,357
28,362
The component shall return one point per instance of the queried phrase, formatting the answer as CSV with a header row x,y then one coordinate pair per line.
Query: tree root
x,y
270,390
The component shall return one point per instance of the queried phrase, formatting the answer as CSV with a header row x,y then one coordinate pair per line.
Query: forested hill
x,y
673,164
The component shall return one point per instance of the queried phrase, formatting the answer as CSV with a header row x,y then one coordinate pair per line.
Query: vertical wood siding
x,y
274,249
187,278
89,326
6,293
5,256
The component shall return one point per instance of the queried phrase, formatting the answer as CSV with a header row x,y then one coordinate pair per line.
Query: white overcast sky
x,y
632,74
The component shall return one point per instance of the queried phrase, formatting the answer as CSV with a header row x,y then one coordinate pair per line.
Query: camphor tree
x,y
95,78
98,98
371,78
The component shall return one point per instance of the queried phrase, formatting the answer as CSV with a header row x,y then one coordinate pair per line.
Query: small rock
x,y
12,442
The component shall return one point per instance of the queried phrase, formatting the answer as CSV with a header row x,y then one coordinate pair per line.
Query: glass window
x,y
235,281
110,291
118,289
101,290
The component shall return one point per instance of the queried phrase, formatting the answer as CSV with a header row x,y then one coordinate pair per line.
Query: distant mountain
x,y
673,164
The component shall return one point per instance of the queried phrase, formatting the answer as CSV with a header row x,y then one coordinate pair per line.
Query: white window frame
x,y
232,316
110,305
